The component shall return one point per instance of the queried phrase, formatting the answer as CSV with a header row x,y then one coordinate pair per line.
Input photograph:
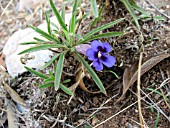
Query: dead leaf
x,y
12,119
131,74
14,95
81,82
79,76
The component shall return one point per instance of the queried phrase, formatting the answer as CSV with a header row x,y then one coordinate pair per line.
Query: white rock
x,y
25,4
13,47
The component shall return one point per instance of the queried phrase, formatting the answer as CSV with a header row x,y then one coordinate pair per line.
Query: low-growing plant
x,y
68,40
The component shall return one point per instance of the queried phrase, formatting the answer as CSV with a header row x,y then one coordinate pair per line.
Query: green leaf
x,y
97,18
54,25
37,73
49,62
104,35
152,90
75,5
40,40
60,20
94,7
66,90
51,75
91,33
92,73
49,80
63,12
46,85
66,81
131,11
72,24
27,43
160,18
42,47
157,120
48,23
136,7
66,33
58,71
45,35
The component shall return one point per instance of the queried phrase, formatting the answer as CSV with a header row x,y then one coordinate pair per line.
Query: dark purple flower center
x,y
101,49
103,58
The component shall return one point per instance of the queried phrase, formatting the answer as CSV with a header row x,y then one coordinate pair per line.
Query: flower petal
x,y
107,60
82,48
96,45
98,65
91,54
107,47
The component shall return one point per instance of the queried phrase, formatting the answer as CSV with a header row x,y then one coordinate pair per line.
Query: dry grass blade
x,y
138,88
12,120
14,95
10,2
131,74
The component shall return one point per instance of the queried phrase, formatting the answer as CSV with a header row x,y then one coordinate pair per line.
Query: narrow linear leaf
x,y
63,12
66,81
75,5
58,71
42,47
92,73
72,24
159,18
48,23
104,35
131,11
66,90
37,73
152,90
66,33
39,40
46,85
45,35
50,62
57,14
131,74
91,33
157,120
136,7
51,75
54,25
97,18
27,43
94,7
49,80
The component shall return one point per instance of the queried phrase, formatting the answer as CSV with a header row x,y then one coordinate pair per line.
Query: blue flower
x,y
98,53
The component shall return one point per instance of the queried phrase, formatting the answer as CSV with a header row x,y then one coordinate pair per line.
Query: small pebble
x,y
95,100
129,125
